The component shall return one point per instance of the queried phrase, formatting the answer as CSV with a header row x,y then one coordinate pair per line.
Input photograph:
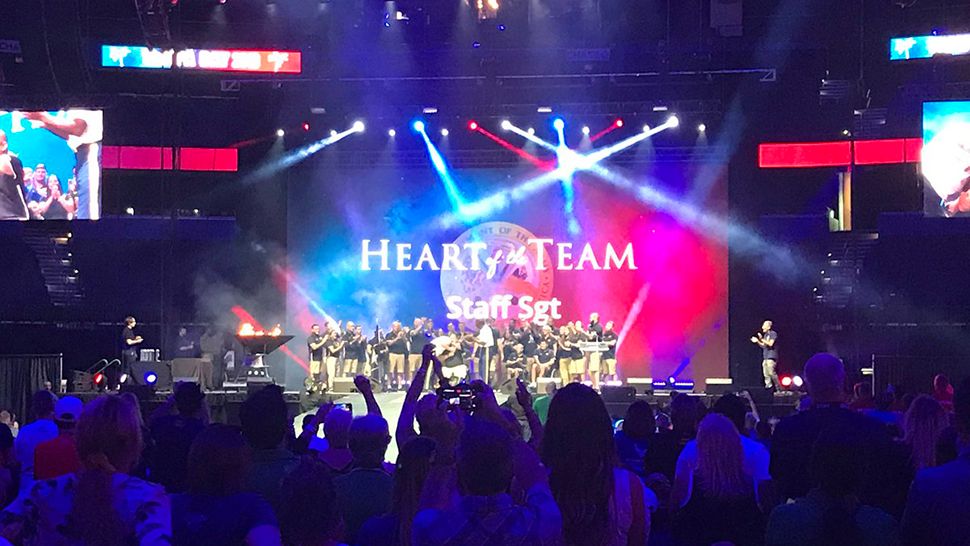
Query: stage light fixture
x,y
559,124
797,381
391,133
418,126
673,121
586,130
701,128
358,126
430,110
151,378
444,132
786,381
544,109
280,133
98,378
333,133
306,126
532,130
472,125
618,123
671,380
123,379
130,211
646,128
506,125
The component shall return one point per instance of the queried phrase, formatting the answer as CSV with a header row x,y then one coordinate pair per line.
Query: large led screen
x,y
385,244
50,165
945,163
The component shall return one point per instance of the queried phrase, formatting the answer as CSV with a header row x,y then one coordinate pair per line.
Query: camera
x,y
461,395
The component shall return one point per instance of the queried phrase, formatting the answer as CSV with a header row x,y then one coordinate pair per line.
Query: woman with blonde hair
x,y
924,422
718,502
100,505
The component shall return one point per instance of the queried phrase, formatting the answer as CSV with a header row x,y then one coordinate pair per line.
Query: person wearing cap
x,y
58,456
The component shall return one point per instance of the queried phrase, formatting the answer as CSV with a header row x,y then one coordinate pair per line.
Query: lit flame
x,y
246,329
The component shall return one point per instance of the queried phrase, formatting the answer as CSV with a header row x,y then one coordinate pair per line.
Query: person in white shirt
x,y
485,340
756,458
34,434
83,131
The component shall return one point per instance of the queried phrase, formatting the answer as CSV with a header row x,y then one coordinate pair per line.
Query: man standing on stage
x,y
314,343
334,345
767,339
609,356
416,342
485,343
397,347
13,205
348,366
594,358
82,129
129,353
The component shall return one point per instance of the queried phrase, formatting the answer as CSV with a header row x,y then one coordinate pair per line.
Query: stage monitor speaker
x,y
619,395
718,385
162,371
345,385
144,393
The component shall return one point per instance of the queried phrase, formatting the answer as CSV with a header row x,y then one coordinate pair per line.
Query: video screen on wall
x,y
50,164
391,244
945,163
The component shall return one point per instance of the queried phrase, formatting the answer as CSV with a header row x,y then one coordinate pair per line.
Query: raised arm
x,y
364,387
405,423
535,425
60,127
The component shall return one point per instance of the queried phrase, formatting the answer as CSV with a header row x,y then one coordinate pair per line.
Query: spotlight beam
x,y
281,164
530,137
599,155
544,165
444,173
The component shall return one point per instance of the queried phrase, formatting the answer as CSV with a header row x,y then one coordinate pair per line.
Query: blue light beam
x,y
444,173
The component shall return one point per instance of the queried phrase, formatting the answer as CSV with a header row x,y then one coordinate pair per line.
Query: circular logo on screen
x,y
507,265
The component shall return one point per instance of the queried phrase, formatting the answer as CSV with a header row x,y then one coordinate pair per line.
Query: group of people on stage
x,y
576,352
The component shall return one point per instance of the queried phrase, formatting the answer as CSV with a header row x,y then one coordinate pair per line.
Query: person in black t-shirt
x,y
348,365
594,358
129,354
314,343
397,347
515,361
334,345
608,368
185,345
417,339
545,356
767,339
13,205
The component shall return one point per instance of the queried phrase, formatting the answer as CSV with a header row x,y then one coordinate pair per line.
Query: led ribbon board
x,y
926,47
205,60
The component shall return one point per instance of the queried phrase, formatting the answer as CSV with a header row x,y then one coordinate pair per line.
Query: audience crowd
x,y
558,470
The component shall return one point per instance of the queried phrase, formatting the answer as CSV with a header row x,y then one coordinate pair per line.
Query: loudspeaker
x,y
718,385
619,395
346,385
163,371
